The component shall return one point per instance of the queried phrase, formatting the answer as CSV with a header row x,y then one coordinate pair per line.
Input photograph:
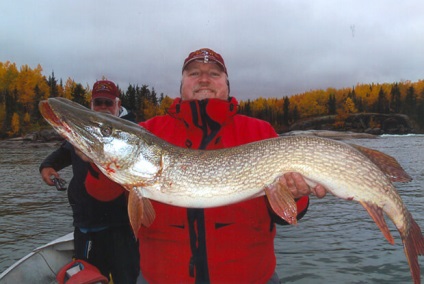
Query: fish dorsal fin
x,y
282,202
386,163
140,210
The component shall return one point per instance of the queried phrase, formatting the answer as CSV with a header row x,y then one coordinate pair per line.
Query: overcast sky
x,y
272,48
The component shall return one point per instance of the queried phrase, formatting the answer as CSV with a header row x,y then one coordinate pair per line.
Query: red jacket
x,y
232,243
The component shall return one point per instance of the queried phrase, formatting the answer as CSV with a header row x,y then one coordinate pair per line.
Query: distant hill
x,y
372,123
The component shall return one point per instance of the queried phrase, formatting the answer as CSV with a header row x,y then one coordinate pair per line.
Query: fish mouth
x,y
50,115
47,112
62,114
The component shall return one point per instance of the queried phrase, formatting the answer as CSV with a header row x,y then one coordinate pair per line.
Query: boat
x,y
42,264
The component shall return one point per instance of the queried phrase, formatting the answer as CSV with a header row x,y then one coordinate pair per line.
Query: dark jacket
x,y
88,212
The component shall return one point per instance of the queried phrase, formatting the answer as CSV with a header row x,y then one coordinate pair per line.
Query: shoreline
x,y
331,134
30,140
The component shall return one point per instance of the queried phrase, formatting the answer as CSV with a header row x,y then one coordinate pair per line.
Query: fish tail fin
x,y
413,245
376,214
140,211
282,202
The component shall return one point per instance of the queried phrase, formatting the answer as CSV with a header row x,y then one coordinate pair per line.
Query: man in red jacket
x,y
228,244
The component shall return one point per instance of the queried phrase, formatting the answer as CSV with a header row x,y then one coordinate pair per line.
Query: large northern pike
x,y
150,168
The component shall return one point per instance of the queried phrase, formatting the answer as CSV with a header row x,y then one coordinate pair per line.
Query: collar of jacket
x,y
191,112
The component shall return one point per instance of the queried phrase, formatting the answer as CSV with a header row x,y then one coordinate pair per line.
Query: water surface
x,y
336,242
31,213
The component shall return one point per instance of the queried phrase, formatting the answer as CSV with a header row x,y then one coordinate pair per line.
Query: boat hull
x,y
41,265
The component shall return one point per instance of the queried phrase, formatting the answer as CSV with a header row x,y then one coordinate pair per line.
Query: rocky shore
x,y
369,123
43,138
356,126
337,135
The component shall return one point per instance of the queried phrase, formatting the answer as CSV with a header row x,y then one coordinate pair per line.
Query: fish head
x,y
117,146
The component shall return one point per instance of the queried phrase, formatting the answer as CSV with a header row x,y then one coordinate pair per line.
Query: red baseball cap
x,y
206,55
105,89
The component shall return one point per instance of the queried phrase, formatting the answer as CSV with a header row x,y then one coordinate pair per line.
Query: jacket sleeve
x,y
100,186
58,159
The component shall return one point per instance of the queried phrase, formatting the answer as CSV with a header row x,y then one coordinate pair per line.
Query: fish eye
x,y
106,131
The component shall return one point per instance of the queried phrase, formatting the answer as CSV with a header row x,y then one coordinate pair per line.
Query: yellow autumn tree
x,y
343,113
15,125
419,87
8,75
257,106
311,103
349,106
60,90
69,88
164,105
27,118
150,109
28,79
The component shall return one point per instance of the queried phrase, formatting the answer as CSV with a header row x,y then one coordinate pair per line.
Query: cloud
x,y
271,48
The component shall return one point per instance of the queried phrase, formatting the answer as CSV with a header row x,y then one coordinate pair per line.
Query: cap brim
x,y
104,95
201,59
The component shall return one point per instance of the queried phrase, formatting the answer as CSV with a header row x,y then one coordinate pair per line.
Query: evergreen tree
x,y
286,111
153,97
360,106
395,102
52,82
296,114
248,108
79,95
420,110
410,105
129,98
36,116
11,107
332,107
382,102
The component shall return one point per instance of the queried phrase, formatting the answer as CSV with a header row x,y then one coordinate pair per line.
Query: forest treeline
x,y
22,88
404,97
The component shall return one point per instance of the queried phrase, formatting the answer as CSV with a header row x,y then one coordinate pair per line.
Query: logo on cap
x,y
102,87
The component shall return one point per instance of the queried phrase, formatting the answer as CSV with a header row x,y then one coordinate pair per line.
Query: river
x,y
336,241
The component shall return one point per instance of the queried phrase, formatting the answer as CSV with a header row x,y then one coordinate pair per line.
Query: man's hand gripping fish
x,y
150,168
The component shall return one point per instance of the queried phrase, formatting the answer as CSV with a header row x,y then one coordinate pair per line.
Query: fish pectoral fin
x,y
140,211
149,214
376,214
282,201
386,163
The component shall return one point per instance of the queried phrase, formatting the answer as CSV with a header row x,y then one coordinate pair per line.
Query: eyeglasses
x,y
100,102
